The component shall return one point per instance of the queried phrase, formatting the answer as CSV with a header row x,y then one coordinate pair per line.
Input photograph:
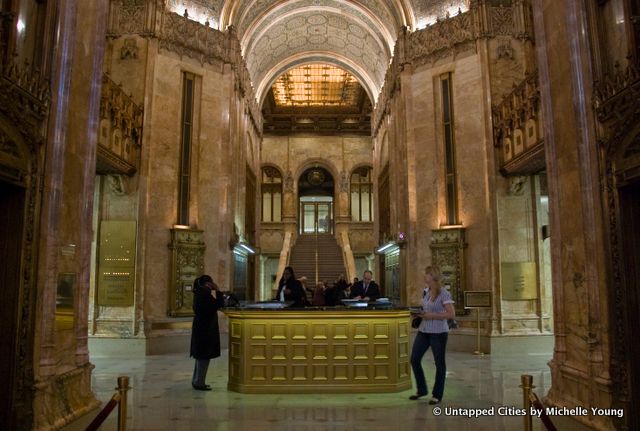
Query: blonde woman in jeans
x,y
437,307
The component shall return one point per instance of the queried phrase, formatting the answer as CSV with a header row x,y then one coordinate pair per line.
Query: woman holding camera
x,y
205,335
437,307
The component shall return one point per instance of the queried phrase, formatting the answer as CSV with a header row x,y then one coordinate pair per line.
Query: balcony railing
x,y
517,129
120,134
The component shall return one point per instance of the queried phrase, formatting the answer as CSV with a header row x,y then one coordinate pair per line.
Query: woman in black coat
x,y
290,289
205,335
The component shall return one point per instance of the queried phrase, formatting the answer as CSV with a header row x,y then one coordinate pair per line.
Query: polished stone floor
x,y
161,398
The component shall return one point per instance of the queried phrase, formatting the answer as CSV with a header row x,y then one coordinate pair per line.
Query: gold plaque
x,y
116,265
477,299
519,280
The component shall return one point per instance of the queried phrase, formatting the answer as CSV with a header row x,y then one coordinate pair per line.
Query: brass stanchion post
x,y
527,387
478,351
123,387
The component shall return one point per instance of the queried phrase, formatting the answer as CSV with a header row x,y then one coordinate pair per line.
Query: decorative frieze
x,y
120,134
133,17
616,101
189,38
443,36
24,95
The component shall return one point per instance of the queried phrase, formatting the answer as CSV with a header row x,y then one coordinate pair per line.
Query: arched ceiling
x,y
357,35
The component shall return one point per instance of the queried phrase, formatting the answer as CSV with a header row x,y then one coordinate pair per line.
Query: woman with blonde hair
x,y
437,308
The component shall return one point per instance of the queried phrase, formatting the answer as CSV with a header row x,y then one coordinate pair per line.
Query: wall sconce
x,y
385,247
247,248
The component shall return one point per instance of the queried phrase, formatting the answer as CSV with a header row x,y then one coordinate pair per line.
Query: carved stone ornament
x,y
447,252
316,177
288,183
117,184
505,50
344,182
129,49
516,185
187,263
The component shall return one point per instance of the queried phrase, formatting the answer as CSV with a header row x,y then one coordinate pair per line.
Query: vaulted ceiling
x,y
355,35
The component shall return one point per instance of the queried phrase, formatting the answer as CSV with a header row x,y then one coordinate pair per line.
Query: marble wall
x,y
226,145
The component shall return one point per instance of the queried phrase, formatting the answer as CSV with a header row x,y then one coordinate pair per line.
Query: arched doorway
x,y
316,202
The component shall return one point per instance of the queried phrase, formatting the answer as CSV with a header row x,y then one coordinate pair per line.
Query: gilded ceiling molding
x,y
330,33
239,15
386,40
316,57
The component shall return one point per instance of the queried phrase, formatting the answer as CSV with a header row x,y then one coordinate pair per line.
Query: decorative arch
x,y
317,161
262,88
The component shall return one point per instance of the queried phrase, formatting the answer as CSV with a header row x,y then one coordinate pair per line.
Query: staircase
x,y
303,258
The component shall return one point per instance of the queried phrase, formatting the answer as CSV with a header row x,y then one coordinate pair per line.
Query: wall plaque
x,y
518,280
477,299
116,263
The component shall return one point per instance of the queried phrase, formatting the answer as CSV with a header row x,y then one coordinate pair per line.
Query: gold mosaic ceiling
x,y
316,85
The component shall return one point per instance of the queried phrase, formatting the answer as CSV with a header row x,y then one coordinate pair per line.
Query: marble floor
x,y
161,398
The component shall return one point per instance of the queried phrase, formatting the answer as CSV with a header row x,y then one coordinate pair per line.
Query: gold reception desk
x,y
318,351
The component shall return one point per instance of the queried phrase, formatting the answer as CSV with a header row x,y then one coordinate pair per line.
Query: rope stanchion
x,y
118,399
527,386
546,420
123,387
97,422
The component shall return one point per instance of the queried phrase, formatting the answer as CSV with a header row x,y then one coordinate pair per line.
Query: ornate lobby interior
x,y
144,143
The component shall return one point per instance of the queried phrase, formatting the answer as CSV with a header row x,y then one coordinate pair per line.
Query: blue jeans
x,y
438,344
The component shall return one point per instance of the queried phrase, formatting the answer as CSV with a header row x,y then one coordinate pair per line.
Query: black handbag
x,y
453,323
415,322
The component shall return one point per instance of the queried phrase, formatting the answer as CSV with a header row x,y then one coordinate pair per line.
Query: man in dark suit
x,y
367,289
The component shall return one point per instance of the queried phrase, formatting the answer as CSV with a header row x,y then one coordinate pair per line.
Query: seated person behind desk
x,y
319,299
290,289
367,289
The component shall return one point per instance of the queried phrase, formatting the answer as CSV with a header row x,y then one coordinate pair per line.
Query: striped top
x,y
431,326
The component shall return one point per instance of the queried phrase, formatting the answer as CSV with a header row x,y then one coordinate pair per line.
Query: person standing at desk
x,y
290,289
437,307
205,335
367,289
